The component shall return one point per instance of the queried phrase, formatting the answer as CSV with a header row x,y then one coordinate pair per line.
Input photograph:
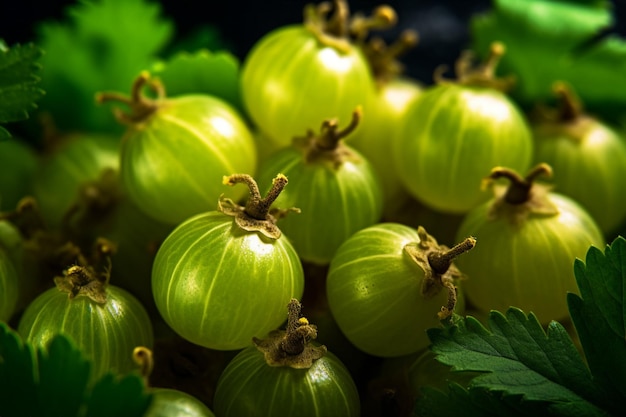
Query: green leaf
x,y
131,398
519,358
555,40
19,82
63,377
478,401
17,376
102,46
599,314
54,382
202,72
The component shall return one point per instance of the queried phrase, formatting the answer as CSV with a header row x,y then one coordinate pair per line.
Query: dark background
x,y
442,24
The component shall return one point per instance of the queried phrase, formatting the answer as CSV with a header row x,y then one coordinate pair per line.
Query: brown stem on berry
x,y
142,356
436,262
337,25
331,34
292,347
327,146
484,71
257,215
570,107
440,261
26,217
256,206
337,29
519,191
141,107
383,17
89,279
101,255
383,58
330,136
478,75
299,332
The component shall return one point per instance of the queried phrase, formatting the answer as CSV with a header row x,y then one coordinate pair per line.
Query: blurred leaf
x,y
102,45
202,72
558,40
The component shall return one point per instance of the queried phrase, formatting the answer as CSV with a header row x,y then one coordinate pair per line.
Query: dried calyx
x,y
567,119
332,24
96,200
383,58
26,218
89,278
257,215
141,106
292,347
480,75
522,196
48,248
327,145
439,271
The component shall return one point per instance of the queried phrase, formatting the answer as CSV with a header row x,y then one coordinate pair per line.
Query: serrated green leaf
x,y
519,358
63,378
17,101
475,402
19,90
114,20
19,65
17,375
54,382
102,46
202,72
599,315
548,41
131,397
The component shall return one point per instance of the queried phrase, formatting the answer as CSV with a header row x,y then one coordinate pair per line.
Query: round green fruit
x,y
384,288
217,271
167,402
386,112
104,321
334,187
286,375
454,134
78,160
588,158
300,74
176,150
528,239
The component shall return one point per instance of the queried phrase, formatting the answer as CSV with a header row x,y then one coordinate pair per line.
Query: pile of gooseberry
x,y
288,259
